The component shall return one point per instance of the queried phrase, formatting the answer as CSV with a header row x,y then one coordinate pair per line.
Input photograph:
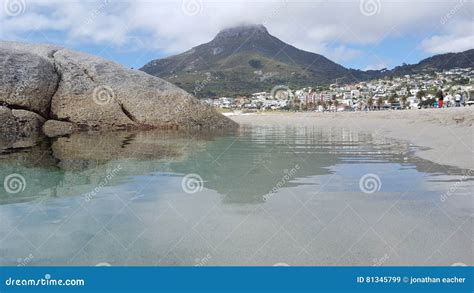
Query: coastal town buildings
x,y
421,90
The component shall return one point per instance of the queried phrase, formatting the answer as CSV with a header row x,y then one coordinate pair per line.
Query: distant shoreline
x,y
446,135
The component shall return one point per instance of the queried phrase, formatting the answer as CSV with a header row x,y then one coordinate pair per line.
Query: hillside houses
x,y
405,92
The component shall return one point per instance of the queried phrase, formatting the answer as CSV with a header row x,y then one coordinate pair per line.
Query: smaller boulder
x,y
8,126
28,123
54,128
16,125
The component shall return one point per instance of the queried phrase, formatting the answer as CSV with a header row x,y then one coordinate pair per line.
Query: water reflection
x,y
243,167
118,198
72,165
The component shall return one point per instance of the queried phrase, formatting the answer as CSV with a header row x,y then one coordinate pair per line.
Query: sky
x,y
364,34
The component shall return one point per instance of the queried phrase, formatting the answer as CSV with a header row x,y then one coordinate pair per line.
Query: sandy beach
x,y
445,136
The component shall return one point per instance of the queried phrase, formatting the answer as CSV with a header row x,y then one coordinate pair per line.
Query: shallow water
x,y
260,196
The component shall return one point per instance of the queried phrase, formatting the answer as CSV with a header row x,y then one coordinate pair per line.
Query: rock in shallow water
x,y
18,123
8,126
94,93
54,128
28,123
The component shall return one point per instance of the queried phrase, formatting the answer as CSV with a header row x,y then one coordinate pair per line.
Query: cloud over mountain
x,y
343,30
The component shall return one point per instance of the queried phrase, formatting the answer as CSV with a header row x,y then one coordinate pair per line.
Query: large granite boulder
x,y
93,93
27,81
15,125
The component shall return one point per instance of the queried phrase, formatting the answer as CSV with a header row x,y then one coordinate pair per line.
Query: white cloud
x,y
459,37
330,27
341,53
337,53
376,66
448,43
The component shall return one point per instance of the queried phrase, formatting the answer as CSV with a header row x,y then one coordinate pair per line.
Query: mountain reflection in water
x,y
265,196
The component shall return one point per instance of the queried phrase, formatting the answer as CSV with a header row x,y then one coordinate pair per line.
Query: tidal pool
x,y
258,196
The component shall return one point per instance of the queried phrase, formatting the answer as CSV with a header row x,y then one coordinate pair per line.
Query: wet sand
x,y
445,136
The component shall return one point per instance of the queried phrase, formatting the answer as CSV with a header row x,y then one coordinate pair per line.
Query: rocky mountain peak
x,y
241,31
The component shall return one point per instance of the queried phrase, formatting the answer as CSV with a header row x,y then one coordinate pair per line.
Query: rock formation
x,y
87,92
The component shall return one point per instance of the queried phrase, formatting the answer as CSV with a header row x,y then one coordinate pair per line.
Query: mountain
x,y
437,63
246,59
